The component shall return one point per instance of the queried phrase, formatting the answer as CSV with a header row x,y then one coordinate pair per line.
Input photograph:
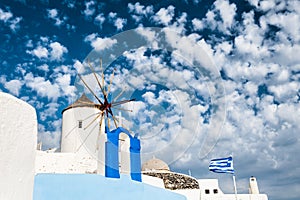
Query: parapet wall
x,y
18,138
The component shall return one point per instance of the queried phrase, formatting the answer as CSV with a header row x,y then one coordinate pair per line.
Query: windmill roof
x,y
83,101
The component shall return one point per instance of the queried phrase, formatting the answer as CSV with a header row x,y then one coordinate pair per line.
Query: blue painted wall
x,y
96,187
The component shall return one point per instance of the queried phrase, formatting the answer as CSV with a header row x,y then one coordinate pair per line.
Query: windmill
x,y
104,103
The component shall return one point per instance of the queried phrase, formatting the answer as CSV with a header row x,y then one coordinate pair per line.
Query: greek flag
x,y
222,165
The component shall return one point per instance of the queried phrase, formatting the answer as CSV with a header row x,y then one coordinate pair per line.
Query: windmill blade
x,y
110,82
112,115
123,109
85,138
92,121
121,102
123,90
100,127
86,85
98,81
108,122
122,125
91,116
102,76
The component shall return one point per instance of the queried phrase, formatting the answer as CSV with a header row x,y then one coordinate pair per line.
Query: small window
x,y
206,191
215,191
79,124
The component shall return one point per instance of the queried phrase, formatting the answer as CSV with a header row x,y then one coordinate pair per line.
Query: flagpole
x,y
233,178
234,185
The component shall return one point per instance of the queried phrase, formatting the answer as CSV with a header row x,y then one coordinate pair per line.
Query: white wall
x,y
18,133
73,137
64,163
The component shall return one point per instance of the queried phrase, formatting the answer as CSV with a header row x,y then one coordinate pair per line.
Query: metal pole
x,y
234,185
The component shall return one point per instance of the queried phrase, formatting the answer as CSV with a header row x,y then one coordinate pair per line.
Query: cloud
x,y
12,22
99,43
197,24
164,16
118,22
53,14
78,66
5,16
221,17
40,52
14,86
57,51
44,67
89,9
64,82
99,19
53,51
49,139
44,88
140,11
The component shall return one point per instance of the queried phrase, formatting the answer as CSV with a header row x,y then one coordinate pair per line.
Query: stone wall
x,y
174,181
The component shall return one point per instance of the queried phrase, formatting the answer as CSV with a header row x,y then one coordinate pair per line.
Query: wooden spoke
x,y
121,102
123,109
98,81
122,125
100,126
86,85
110,82
85,139
92,115
92,121
123,90
102,75
112,115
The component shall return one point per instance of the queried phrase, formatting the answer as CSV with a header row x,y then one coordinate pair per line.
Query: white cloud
x,y
44,67
164,16
64,82
222,10
251,39
139,11
227,12
44,88
99,43
99,19
8,19
14,86
78,66
89,8
15,23
53,14
49,139
39,51
112,15
197,24
120,23
285,92
57,51
5,16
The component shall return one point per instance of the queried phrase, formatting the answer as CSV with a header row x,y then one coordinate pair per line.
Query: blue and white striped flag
x,y
222,165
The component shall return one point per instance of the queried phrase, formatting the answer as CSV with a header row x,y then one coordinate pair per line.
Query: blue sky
x,y
211,78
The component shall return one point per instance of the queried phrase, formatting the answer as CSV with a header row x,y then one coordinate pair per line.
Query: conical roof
x,y
83,101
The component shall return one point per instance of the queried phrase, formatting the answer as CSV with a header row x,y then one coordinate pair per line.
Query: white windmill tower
x,y
85,131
